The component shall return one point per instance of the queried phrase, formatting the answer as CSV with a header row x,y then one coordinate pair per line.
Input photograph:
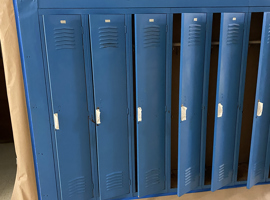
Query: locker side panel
x,y
110,88
68,91
150,44
190,103
261,120
229,68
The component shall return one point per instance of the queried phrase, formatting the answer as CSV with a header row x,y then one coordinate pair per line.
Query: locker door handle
x,y
220,110
183,113
259,108
56,121
139,114
98,116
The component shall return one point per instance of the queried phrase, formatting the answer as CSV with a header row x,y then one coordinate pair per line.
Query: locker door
x,y
150,43
190,104
110,85
68,89
229,68
261,120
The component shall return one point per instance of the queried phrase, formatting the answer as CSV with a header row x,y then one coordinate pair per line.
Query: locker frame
x,y
22,15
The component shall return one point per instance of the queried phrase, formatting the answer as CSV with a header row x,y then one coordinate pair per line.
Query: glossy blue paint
x,y
229,69
108,47
207,59
37,89
91,106
169,47
140,3
65,59
261,122
241,96
150,52
27,96
36,96
190,100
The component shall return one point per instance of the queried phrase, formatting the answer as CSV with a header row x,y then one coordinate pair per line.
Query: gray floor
x,y
7,170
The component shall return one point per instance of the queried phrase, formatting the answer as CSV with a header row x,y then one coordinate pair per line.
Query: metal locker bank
x,y
134,99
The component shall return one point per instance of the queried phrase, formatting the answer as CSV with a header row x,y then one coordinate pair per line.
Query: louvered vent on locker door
x,y
108,37
152,177
233,34
258,168
64,38
114,181
190,175
223,172
194,37
151,36
268,36
76,186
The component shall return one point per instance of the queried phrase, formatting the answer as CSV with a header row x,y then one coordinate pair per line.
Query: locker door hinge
x,y
166,28
82,31
165,108
128,111
125,29
129,182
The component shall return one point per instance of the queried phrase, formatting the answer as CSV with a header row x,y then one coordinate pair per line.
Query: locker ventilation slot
x,y
151,36
64,38
258,168
189,175
152,177
194,37
114,180
268,36
108,37
222,172
233,34
76,186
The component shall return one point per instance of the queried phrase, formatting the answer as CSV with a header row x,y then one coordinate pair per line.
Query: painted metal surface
x,y
63,35
36,98
108,35
190,100
140,3
150,52
228,80
44,148
261,119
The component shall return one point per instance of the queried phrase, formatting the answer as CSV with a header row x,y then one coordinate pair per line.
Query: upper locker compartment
x,y
108,47
63,34
227,97
192,68
261,120
150,44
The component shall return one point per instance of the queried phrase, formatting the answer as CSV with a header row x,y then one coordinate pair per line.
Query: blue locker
x,y
261,119
150,50
63,35
228,81
108,42
190,100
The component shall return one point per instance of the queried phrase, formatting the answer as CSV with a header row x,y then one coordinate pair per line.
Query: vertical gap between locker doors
x,y
175,97
134,107
249,95
212,97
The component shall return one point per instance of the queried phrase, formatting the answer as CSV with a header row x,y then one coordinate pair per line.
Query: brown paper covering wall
x,y
25,183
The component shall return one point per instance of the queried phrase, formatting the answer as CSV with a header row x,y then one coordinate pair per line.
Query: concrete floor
x,y
7,170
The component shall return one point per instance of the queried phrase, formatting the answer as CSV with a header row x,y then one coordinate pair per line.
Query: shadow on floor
x,y
7,170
